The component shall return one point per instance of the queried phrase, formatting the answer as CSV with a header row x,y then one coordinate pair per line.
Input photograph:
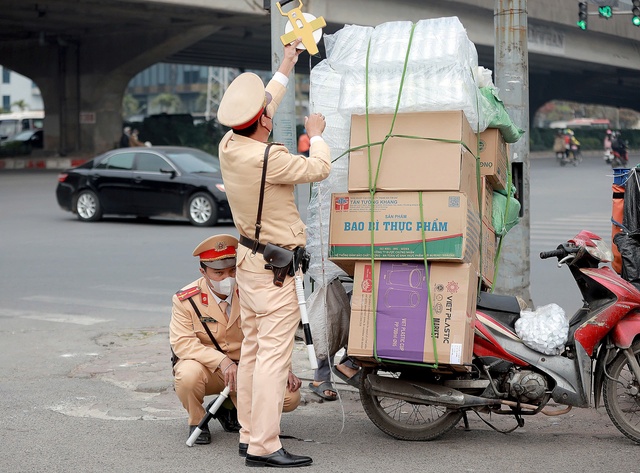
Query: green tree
x,y
130,106
201,102
21,104
168,103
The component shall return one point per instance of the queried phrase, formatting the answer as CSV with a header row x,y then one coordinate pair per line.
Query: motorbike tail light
x,y
62,176
220,187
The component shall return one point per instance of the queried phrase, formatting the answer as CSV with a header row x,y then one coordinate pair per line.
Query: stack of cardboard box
x,y
426,206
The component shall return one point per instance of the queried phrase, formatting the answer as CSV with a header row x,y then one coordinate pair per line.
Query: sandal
x,y
321,389
353,381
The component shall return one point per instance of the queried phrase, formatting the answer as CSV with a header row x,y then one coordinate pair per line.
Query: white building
x,y
17,88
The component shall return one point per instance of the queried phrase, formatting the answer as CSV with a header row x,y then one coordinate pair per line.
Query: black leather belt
x,y
253,245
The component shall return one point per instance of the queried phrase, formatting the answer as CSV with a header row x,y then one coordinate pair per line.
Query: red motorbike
x,y
601,357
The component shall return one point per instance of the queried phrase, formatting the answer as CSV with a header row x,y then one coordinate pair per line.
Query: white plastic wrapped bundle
x,y
440,73
544,330
442,41
447,87
347,48
389,43
325,88
321,269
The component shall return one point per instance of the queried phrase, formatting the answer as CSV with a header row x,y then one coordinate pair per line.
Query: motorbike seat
x,y
506,309
487,300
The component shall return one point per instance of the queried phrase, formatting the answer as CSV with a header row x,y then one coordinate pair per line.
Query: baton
x,y
207,417
305,323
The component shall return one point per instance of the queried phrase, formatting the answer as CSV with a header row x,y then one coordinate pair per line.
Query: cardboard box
x,y
494,158
451,227
486,201
420,317
410,164
488,255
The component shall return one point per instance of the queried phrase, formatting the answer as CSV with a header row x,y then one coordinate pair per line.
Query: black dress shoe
x,y
242,449
279,459
228,419
205,436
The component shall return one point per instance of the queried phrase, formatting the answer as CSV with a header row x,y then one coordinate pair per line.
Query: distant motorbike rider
x,y
608,154
619,148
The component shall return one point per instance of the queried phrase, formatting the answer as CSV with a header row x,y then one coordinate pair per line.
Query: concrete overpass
x,y
83,53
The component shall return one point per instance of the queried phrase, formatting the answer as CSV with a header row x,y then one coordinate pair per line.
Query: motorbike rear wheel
x,y
402,419
622,395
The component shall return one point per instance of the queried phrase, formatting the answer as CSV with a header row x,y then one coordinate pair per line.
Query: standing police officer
x,y
269,312
206,337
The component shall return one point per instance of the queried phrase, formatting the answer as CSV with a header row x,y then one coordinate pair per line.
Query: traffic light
x,y
583,13
635,11
605,11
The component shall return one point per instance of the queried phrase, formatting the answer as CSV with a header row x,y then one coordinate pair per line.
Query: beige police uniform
x,y
269,314
198,373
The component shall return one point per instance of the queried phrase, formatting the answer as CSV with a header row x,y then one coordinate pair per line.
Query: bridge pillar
x,y
83,82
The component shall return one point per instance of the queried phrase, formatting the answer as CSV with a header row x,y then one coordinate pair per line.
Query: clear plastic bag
x,y
545,329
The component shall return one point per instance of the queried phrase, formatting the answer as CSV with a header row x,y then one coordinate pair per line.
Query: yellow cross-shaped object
x,y
301,28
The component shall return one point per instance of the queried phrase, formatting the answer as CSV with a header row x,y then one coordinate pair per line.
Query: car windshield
x,y
7,127
194,161
23,136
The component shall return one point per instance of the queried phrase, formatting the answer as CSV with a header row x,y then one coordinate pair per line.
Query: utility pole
x,y
284,123
512,78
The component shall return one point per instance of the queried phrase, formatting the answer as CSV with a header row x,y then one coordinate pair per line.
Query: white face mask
x,y
223,287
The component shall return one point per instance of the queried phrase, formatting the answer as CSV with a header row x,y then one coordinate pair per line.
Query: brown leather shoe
x,y
279,459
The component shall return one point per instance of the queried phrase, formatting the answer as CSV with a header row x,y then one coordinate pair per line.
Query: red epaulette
x,y
187,293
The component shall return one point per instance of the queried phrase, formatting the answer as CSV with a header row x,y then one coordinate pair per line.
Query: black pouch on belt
x,y
279,260
301,259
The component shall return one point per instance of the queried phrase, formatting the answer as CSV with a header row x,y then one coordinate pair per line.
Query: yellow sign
x,y
303,26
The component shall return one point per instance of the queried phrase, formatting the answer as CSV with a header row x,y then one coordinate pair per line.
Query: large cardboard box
x,y
419,316
451,226
494,158
415,161
488,254
486,201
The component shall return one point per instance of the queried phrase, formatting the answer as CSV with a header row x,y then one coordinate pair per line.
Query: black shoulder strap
x,y
264,178
195,307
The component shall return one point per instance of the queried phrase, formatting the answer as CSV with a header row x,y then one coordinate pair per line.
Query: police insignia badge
x,y
188,293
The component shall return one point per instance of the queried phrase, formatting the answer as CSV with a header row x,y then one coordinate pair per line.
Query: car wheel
x,y
202,210
88,206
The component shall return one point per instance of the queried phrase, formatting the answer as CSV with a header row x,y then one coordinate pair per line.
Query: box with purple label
x,y
419,316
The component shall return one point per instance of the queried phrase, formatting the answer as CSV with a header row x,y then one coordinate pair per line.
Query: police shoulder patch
x,y
187,293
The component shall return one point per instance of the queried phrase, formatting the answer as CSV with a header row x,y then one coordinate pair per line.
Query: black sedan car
x,y
146,182
22,143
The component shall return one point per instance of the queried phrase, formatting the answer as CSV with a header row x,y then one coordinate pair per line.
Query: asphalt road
x,y
85,383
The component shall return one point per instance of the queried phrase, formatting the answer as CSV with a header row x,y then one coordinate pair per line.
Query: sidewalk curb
x,y
40,163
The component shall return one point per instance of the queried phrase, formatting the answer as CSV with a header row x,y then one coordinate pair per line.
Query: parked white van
x,y
13,123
